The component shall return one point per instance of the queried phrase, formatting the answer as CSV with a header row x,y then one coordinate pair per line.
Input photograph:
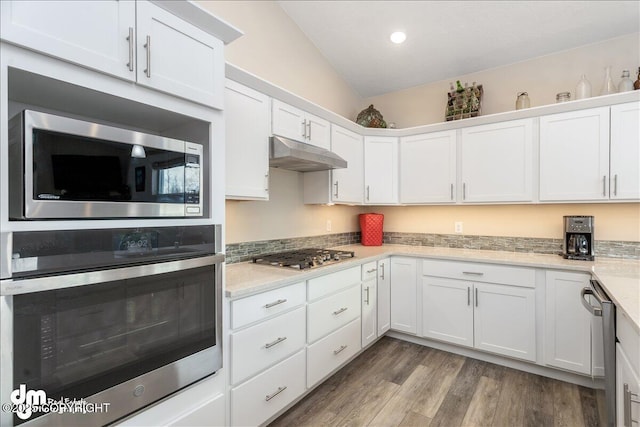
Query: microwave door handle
x,y
596,311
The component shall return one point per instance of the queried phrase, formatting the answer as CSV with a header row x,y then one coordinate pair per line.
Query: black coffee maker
x,y
578,238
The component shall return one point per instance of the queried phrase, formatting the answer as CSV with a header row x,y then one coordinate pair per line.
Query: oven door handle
x,y
596,311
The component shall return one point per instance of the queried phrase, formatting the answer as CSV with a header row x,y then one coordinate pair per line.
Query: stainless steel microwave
x,y
67,168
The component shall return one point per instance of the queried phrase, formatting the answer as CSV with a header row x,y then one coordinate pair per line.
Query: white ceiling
x,y
446,39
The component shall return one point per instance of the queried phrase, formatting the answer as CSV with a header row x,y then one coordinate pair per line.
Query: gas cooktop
x,y
304,258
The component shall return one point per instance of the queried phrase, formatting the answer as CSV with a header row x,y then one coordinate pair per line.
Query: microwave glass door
x,y
69,167
75,342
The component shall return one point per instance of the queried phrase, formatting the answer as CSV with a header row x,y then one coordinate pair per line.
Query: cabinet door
x,y
403,295
369,299
625,151
348,182
381,170
209,413
504,320
428,168
318,131
574,155
288,121
567,322
447,310
247,147
497,162
627,405
384,296
89,33
178,58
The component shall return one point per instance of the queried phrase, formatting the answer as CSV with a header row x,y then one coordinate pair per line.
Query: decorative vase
x,y
371,118
583,88
608,86
625,85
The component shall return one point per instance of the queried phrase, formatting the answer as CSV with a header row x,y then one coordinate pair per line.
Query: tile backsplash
x,y
244,251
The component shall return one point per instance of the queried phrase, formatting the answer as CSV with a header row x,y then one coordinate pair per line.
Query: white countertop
x,y
620,278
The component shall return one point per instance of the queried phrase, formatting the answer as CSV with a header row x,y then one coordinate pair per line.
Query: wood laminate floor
x,y
397,383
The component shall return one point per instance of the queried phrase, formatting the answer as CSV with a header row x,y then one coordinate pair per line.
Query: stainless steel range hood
x,y
288,154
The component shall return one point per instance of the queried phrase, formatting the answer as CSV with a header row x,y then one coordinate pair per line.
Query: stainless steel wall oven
x,y
122,317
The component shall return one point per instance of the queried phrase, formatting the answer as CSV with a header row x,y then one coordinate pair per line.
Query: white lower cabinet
x,y
627,372
495,317
447,310
205,414
256,400
567,323
404,307
504,320
369,303
255,348
332,312
384,296
331,352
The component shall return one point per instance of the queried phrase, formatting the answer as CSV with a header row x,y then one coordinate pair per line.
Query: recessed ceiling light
x,y
398,37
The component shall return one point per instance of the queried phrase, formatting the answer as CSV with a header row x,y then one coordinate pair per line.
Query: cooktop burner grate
x,y
304,258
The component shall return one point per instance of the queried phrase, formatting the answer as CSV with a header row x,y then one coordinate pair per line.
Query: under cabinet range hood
x,y
288,154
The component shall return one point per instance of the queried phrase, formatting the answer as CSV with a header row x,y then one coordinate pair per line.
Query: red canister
x,y
371,228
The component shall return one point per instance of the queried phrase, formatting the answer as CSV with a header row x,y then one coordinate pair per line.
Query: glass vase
x,y
608,86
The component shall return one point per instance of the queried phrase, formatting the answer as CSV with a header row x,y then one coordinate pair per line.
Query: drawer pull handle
x,y
382,267
338,351
130,40
274,394
147,46
273,304
473,273
277,341
342,310
372,270
367,299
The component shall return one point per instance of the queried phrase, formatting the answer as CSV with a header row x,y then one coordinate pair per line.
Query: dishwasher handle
x,y
596,311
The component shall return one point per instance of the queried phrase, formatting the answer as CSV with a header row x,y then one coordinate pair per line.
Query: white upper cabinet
x,y
291,122
574,155
380,170
497,162
428,168
625,151
137,41
344,185
247,147
175,57
348,182
95,34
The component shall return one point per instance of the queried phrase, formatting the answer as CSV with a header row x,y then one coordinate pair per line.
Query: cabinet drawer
x,y
325,285
332,351
369,270
257,307
629,339
333,312
259,346
263,396
478,272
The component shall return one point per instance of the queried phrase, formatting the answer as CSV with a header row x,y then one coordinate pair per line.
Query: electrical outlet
x,y
458,227
328,225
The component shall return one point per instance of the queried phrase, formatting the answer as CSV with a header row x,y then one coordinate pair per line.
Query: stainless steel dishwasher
x,y
607,310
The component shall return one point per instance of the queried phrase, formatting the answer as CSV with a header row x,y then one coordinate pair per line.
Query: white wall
x,y
541,77
275,49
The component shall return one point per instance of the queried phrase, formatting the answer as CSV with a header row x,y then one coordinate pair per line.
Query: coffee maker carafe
x,y
578,238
